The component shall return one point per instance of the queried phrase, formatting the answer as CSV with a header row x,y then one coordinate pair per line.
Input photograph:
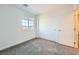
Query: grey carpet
x,y
40,47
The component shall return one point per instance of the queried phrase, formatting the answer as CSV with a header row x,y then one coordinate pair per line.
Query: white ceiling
x,y
51,10
48,10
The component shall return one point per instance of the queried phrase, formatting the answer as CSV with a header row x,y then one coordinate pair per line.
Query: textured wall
x,y
11,32
58,25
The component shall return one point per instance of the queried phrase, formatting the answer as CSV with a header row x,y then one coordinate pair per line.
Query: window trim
x,y
28,22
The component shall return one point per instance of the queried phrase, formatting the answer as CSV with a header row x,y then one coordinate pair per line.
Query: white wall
x,y
58,28
11,32
48,28
66,25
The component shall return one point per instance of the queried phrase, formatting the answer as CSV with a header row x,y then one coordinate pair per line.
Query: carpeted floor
x,y
40,47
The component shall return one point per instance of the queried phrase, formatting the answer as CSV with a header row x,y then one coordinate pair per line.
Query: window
x,y
27,23
30,23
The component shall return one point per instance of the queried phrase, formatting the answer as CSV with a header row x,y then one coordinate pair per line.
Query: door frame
x,y
76,28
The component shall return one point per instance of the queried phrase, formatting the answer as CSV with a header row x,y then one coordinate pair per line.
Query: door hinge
x,y
74,29
74,15
74,42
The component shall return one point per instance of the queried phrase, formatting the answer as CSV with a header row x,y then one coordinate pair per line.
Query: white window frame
x,y
28,23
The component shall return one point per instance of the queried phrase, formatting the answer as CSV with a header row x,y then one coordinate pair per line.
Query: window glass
x,y
27,23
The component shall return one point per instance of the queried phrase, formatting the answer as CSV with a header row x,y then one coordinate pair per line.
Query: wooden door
x,y
76,28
